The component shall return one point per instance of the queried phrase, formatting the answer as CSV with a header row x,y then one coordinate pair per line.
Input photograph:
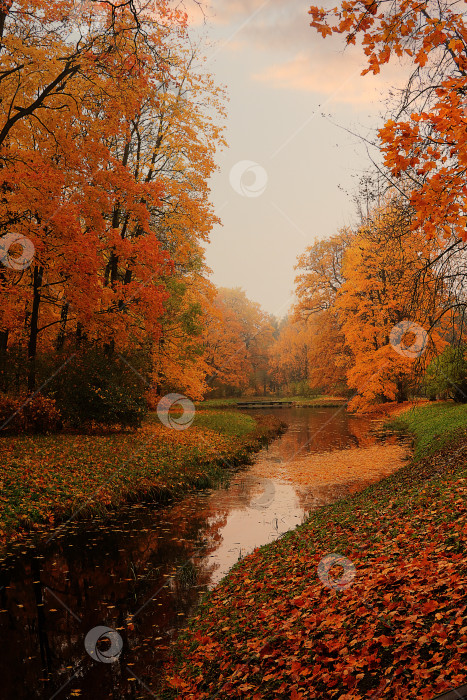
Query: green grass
x,y
217,403
299,399
231,423
432,426
309,399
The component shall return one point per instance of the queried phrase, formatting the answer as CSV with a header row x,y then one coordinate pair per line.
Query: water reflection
x,y
318,430
142,571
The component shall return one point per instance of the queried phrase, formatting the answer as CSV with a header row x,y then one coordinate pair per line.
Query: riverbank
x,y
45,479
305,402
273,629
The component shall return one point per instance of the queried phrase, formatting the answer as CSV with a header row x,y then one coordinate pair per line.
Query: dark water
x,y
141,572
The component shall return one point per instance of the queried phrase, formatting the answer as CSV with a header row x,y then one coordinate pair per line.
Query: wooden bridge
x,y
268,403
263,404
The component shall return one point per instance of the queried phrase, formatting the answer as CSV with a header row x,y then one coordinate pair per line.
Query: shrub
x,y
152,397
96,388
447,375
21,414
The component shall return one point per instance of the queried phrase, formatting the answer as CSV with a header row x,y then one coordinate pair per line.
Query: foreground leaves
x,y
273,630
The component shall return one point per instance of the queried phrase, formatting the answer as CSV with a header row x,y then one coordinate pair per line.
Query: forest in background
x,y
109,126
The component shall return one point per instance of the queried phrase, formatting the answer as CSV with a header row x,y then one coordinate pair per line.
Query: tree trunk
x,y
3,359
401,394
109,348
79,334
62,331
3,341
33,328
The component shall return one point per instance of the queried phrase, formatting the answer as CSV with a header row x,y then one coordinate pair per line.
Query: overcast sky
x,y
292,165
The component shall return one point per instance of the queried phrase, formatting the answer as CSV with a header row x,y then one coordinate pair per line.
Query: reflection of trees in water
x,y
317,430
359,429
103,573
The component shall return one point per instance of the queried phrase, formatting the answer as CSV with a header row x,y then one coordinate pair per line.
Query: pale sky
x,y
289,172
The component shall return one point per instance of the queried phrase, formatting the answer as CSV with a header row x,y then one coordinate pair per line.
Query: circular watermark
x,y
416,347
267,497
103,634
16,262
248,179
176,422
347,576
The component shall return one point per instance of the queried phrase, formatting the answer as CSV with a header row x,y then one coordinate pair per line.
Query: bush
x,y
38,414
152,399
96,388
447,375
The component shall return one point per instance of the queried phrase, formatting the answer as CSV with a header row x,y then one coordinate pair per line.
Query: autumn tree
x,y
241,359
256,332
317,285
320,274
108,133
226,353
310,353
172,142
379,268
425,140
289,358
60,174
329,356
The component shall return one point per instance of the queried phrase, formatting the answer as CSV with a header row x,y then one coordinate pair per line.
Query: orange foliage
x,y
352,290
289,355
380,267
104,168
311,347
226,353
238,338
320,275
429,144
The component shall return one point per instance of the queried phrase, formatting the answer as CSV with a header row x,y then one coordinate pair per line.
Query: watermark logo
x,y
177,422
248,179
267,497
97,636
347,576
400,343
16,262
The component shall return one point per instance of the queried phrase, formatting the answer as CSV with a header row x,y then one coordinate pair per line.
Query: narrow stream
x,y
142,571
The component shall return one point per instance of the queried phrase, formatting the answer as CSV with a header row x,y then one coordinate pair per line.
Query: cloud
x,y
264,22
299,59
227,11
281,27
334,76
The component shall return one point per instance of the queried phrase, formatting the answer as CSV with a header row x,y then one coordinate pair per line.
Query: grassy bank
x,y
47,478
273,629
431,426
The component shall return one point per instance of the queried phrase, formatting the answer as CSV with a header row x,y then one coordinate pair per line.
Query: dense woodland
x,y
109,126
